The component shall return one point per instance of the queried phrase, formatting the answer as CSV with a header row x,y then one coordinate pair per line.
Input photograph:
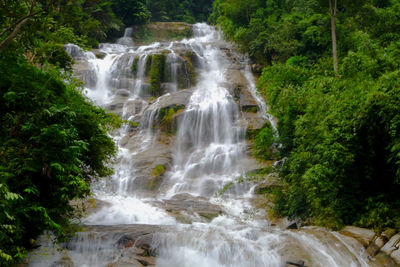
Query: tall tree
x,y
332,12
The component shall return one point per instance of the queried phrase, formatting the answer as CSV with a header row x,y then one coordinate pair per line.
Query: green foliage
x,y
52,144
188,11
339,135
135,66
264,142
157,73
158,170
131,12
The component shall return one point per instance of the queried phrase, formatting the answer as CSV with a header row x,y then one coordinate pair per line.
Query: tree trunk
x,y
21,22
332,11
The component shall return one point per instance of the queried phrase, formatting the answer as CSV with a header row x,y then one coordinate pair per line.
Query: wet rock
x,y
236,78
392,248
145,163
116,105
122,92
99,54
257,68
180,98
396,255
292,226
233,89
122,83
65,261
247,101
88,205
186,207
374,247
255,121
161,31
85,72
125,263
363,235
77,53
387,234
293,250
383,260
145,261
134,107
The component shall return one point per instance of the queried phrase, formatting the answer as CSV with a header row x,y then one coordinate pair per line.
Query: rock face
x,y
187,208
392,248
161,31
364,236
180,98
384,249
65,261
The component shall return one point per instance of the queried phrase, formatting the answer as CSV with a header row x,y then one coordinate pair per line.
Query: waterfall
x,y
186,105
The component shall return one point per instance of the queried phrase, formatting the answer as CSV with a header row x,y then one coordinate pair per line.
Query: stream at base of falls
x,y
168,203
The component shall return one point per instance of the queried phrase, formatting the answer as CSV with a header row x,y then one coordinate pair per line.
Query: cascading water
x,y
180,146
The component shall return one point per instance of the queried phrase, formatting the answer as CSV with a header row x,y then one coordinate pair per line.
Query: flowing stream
x,y
178,151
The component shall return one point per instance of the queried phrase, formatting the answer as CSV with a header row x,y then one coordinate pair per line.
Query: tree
x,y
27,10
52,144
332,12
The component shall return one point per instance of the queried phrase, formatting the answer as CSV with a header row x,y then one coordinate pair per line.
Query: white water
x,y
208,151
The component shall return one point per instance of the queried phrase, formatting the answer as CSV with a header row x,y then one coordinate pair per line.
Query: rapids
x,y
180,219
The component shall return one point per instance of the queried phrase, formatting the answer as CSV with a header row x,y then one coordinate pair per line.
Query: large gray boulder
x,y
187,208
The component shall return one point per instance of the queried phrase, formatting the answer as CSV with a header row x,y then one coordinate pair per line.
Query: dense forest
x,y
339,126
337,105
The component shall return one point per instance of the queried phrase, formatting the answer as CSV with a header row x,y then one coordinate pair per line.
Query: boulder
x,y
392,247
65,261
99,54
171,100
146,162
383,260
363,235
255,121
247,101
187,208
125,263
374,247
236,79
122,92
84,71
396,256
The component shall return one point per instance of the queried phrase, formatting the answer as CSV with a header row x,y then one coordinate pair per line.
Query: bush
x,y
53,143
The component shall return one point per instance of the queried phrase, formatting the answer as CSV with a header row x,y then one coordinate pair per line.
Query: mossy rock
x,y
252,133
149,60
186,74
158,170
152,184
157,74
167,118
162,31
252,109
135,66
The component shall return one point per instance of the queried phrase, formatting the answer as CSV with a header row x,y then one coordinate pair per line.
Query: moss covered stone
x,y
162,31
158,170
135,65
167,116
157,74
149,60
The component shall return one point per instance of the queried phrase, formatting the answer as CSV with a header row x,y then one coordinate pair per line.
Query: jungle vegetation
x,y
338,122
338,116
